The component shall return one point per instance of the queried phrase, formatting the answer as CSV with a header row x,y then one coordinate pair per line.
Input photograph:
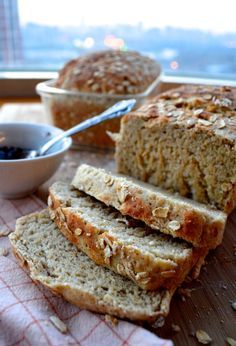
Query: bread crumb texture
x,y
58,264
184,141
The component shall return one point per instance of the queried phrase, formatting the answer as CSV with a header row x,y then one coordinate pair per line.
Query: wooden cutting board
x,y
208,304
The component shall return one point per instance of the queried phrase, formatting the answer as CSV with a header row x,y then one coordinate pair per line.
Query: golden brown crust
x,y
201,226
109,72
146,271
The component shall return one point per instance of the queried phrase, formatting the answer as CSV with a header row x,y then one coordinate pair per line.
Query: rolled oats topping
x,y
204,122
111,72
220,124
174,225
191,122
198,112
160,212
78,231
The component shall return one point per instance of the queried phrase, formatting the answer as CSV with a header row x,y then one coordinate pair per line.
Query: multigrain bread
x,y
111,72
93,82
171,214
184,141
57,264
127,246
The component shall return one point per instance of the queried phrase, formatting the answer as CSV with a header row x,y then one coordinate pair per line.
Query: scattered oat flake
x,y
185,292
3,251
230,341
203,337
234,305
175,328
61,326
111,320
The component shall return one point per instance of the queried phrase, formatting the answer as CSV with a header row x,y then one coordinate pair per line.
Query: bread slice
x,y
57,264
185,141
171,214
128,247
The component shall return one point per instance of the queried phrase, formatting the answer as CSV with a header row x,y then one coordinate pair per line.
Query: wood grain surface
x,y
208,304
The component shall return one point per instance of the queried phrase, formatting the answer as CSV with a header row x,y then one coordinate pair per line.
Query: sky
x,y
210,15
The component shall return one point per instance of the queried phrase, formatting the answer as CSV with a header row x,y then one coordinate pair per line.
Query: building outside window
x,y
188,39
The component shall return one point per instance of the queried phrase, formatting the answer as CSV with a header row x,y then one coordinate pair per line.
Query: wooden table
x,y
209,306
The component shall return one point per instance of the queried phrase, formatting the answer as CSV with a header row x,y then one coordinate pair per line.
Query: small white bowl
x,y
21,177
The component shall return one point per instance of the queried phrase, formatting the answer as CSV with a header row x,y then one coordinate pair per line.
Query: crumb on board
x,y
159,322
184,293
175,328
203,337
234,305
4,251
61,326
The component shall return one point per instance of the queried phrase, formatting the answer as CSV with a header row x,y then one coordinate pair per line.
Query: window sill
x,y
22,84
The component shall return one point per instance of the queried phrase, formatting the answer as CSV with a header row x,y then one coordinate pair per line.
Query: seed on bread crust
x,y
174,225
78,231
160,212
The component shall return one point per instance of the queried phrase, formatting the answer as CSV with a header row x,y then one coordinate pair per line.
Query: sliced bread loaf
x,y
171,214
127,246
185,141
58,265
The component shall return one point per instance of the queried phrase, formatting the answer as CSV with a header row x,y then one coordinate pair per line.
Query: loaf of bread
x,y
57,264
93,82
130,248
111,72
171,214
184,141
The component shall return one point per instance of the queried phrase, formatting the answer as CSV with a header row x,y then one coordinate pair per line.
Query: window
x,y
196,39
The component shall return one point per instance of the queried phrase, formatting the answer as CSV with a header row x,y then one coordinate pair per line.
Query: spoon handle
x,y
118,109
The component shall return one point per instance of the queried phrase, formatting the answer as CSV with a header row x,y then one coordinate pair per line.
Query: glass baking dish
x,y
67,108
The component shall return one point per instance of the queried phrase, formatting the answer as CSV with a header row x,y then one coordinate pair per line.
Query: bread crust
x,y
202,226
148,272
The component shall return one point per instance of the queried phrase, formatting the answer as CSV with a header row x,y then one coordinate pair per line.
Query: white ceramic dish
x,y
22,177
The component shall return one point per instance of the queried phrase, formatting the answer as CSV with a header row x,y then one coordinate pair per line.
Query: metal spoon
x,y
118,109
